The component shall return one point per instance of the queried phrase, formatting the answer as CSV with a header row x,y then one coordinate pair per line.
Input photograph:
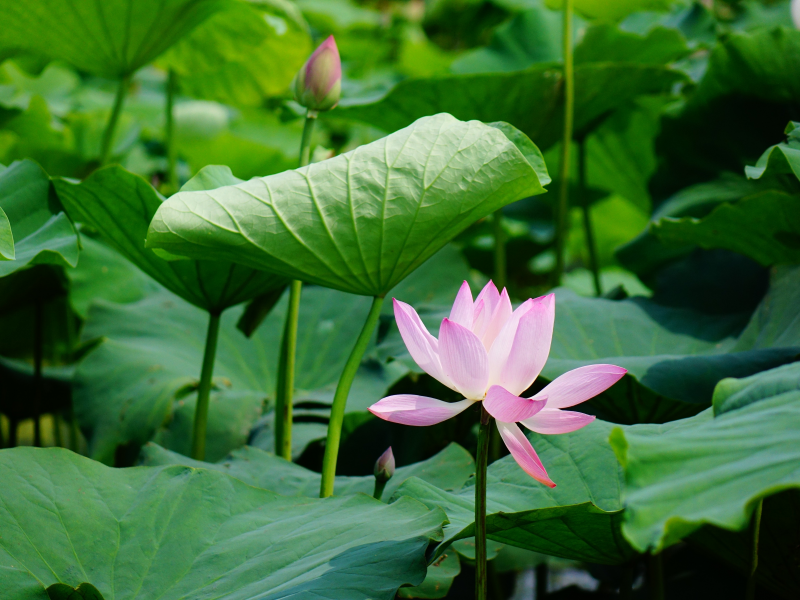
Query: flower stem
x,y
481,462
286,362
340,398
587,219
755,529
562,208
169,134
111,126
38,350
499,250
656,577
379,487
204,390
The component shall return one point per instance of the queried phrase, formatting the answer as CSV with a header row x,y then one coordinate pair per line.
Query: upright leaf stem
x,y
204,390
481,463
169,133
591,247
755,530
286,362
111,126
380,485
340,398
38,351
562,208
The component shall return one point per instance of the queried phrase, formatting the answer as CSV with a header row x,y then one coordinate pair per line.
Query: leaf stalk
x,y
204,389
340,398
591,246
111,126
755,529
169,134
481,464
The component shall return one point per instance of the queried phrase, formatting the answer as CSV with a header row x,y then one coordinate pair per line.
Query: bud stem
x,y
481,463
379,487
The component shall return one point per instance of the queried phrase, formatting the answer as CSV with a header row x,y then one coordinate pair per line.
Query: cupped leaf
x,y
780,159
120,205
111,38
243,54
578,519
602,87
176,532
362,221
448,470
711,470
36,229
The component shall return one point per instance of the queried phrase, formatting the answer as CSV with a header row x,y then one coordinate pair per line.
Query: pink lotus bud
x,y
384,466
318,85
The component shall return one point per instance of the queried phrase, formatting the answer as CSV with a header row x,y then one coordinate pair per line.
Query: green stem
x,y
500,269
542,572
587,219
481,462
380,485
755,529
204,390
656,577
111,126
284,389
38,350
169,134
340,398
562,209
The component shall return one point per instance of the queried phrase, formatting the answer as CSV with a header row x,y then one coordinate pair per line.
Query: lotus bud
x,y
318,84
384,469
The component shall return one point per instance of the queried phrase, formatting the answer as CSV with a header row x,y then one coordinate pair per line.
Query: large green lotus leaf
x,y
111,38
177,532
780,159
752,79
600,88
150,359
55,84
765,227
711,470
578,519
645,254
34,229
243,54
448,470
120,205
362,221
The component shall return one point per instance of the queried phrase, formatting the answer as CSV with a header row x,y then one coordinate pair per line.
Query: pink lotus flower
x,y
488,352
318,84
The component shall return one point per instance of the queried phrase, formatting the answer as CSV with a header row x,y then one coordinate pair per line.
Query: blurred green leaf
x,y
602,87
37,230
120,206
111,39
448,470
578,519
243,54
362,221
170,531
612,9
438,579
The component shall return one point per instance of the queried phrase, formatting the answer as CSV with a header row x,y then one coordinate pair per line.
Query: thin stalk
x,y
481,462
542,572
380,485
500,269
587,219
656,577
755,530
340,398
284,389
283,406
169,133
111,126
204,390
626,583
562,208
38,350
